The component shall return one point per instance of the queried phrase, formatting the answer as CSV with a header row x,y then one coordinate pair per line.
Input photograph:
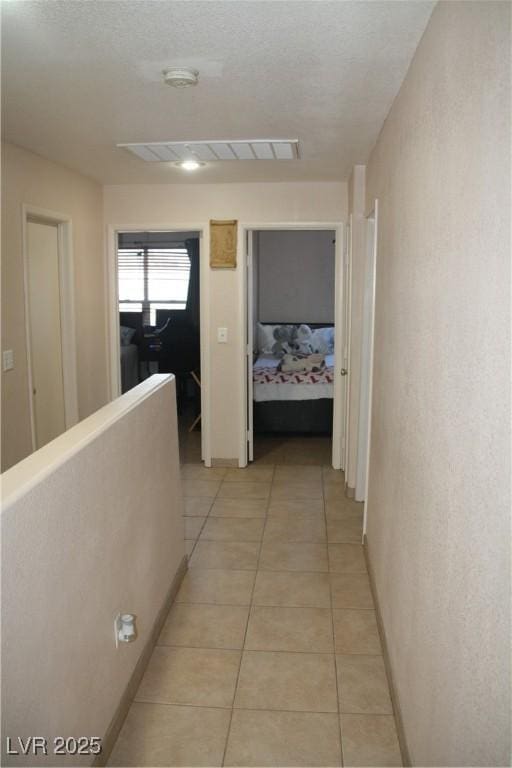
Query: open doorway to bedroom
x,y
158,276
295,390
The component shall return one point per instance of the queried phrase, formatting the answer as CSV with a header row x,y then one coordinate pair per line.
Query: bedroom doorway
x,y
158,302
296,352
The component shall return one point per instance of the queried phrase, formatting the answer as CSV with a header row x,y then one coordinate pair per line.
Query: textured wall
x,y
439,496
91,526
161,205
28,178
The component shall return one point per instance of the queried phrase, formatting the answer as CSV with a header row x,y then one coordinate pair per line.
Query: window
x,y
151,279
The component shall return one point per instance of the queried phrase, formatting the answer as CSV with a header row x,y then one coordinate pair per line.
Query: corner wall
x,y
28,178
162,205
439,493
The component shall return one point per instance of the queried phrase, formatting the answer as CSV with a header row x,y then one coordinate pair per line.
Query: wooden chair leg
x,y
198,418
198,382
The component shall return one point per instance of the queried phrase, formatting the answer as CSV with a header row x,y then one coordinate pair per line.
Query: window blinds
x,y
153,275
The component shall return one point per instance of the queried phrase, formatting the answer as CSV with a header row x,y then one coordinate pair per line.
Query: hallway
x,y
270,655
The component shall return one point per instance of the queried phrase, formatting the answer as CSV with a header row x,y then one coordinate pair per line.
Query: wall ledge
x,y
20,479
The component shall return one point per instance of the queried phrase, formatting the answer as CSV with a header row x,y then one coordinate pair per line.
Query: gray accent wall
x,y
295,276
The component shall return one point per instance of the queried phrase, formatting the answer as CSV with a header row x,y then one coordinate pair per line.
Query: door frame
x,y
371,268
33,213
340,389
112,319
347,286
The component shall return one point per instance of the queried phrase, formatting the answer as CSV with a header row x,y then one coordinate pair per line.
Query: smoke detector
x,y
180,77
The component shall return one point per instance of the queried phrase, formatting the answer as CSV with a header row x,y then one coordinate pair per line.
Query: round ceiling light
x,y
180,77
189,165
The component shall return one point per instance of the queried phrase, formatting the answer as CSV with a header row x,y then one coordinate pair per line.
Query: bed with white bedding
x,y
293,401
271,384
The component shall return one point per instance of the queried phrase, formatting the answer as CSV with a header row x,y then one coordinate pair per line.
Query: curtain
x,y
192,247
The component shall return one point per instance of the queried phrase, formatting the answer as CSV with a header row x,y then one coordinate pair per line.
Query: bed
x,y
294,402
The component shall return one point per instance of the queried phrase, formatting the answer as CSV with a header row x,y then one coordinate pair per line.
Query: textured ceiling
x,y
79,76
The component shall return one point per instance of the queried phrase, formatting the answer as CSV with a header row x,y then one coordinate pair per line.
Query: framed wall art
x,y
223,240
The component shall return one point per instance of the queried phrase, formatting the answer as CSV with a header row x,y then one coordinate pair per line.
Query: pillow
x,y
323,341
265,338
126,335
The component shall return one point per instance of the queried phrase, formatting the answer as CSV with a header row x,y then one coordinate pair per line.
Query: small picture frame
x,y
223,241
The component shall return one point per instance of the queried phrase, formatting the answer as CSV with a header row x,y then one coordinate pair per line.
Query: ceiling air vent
x,y
209,151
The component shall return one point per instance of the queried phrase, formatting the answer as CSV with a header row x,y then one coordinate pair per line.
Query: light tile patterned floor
x,y
270,655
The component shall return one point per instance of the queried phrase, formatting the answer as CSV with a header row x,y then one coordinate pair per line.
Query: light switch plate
x,y
8,360
222,335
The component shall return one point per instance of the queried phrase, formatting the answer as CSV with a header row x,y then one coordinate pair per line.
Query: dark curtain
x,y
192,247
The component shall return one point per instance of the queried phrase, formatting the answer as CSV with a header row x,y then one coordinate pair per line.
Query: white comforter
x,y
289,390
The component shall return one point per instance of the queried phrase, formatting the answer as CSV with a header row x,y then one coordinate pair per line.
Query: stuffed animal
x,y
322,341
294,364
303,341
284,336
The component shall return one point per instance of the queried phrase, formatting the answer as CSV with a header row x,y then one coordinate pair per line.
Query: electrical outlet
x,y
8,359
222,335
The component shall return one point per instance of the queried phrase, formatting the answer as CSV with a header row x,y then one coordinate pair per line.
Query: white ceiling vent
x,y
208,151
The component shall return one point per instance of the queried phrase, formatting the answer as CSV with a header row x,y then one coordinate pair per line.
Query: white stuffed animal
x,y
303,342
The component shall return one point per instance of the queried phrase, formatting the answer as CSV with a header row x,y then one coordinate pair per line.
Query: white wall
x,y
439,495
91,526
28,178
296,276
161,205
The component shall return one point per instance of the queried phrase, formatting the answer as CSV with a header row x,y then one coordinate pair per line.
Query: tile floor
x,y
268,449
270,655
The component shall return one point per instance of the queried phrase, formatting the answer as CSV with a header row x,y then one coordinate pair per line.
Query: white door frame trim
x,y
67,309
243,228
348,333
373,214
113,362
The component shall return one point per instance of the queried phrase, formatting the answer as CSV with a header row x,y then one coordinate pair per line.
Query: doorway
x,y
295,320
50,328
158,290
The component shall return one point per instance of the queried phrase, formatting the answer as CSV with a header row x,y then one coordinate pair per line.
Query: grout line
x,y
213,498
263,605
309,573
220,605
256,650
233,541
217,568
247,624
268,605
338,699
252,709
